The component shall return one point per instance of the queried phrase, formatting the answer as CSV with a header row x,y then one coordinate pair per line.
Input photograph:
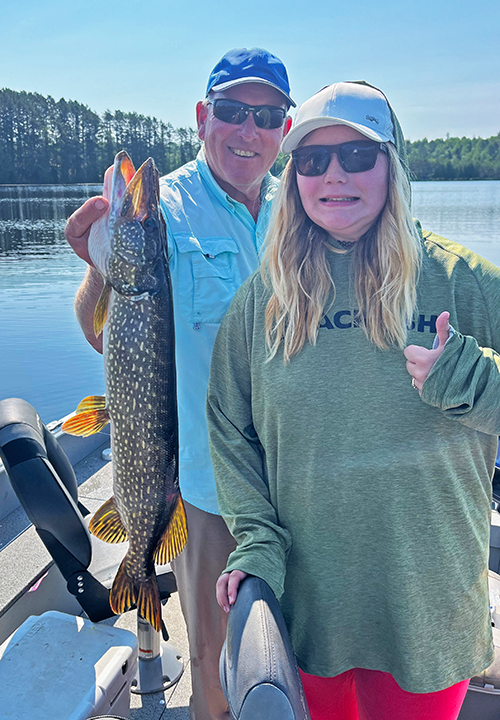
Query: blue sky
x,y
438,62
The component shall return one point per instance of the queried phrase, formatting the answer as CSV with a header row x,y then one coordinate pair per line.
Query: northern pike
x,y
128,247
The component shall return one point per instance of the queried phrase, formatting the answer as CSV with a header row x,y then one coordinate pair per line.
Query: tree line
x,y
451,159
455,158
57,142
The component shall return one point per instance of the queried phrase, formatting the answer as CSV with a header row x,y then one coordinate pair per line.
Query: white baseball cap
x,y
359,106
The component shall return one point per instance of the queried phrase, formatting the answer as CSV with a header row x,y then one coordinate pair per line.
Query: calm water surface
x,y
44,357
467,212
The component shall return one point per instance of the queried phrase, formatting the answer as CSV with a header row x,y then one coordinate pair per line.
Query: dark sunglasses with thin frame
x,y
355,156
266,117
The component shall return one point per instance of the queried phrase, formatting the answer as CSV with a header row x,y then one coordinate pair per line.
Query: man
x,y
216,209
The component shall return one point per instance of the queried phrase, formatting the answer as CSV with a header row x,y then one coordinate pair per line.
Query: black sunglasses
x,y
355,156
234,112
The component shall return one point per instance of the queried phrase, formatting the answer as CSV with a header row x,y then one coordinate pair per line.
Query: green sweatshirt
x,y
364,506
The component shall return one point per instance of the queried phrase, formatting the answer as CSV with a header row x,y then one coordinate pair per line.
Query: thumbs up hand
x,y
420,360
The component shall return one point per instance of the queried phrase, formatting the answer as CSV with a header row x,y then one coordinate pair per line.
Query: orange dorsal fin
x,y
101,309
175,536
107,524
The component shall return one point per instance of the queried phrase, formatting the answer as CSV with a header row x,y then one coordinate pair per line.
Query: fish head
x,y
138,235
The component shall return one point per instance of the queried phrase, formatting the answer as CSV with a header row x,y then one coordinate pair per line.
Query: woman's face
x,y
345,204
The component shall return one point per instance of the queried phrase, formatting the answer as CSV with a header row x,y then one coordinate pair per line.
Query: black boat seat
x,y
496,484
258,671
45,484
494,557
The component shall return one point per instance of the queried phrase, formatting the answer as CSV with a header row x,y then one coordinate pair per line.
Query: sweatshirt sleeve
x,y
465,381
465,384
237,455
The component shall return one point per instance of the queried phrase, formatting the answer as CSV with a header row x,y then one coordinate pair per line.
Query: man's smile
x,y
242,153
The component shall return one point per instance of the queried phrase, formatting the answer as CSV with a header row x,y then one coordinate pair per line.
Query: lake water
x,y
44,357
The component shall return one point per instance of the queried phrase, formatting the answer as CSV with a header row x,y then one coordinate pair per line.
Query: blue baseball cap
x,y
254,65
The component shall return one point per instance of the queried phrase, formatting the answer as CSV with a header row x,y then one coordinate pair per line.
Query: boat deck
x,y
23,560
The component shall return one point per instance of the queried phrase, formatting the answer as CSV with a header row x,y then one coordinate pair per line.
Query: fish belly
x,y
99,244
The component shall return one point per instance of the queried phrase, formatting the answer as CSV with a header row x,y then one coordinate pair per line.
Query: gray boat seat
x,y
45,484
258,671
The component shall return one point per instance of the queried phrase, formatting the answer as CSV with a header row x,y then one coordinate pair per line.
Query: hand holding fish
x,y
77,228
420,360
226,589
85,231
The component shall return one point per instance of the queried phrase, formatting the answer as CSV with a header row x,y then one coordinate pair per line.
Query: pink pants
x,y
372,695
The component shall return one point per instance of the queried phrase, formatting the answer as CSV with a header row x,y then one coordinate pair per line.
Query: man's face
x,y
239,156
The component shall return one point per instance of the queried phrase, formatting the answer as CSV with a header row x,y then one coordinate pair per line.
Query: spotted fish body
x,y
141,402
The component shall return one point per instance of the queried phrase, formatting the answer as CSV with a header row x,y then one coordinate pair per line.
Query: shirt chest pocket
x,y
207,277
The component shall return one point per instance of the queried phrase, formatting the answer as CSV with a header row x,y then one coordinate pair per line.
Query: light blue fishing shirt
x,y
213,246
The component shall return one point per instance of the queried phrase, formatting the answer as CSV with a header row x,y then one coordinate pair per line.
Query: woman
x,y
363,504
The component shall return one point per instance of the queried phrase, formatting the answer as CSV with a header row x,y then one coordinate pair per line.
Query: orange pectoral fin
x,y
107,524
91,416
85,424
101,309
175,536
92,402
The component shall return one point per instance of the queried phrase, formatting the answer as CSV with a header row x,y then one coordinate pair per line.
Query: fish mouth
x,y
115,185
140,198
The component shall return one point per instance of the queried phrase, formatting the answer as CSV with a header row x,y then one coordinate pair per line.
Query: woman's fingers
x,y
420,360
226,589
443,329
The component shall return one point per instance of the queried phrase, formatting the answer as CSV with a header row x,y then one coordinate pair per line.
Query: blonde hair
x,y
386,263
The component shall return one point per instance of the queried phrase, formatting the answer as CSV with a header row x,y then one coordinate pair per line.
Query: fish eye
x,y
150,223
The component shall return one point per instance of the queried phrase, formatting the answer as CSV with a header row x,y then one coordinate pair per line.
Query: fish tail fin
x,y
145,595
122,595
90,417
148,602
107,525
175,536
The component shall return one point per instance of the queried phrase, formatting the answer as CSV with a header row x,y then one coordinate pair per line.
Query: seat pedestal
x,y
160,665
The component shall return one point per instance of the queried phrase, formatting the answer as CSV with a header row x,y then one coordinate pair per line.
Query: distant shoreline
x,y
48,142
89,184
